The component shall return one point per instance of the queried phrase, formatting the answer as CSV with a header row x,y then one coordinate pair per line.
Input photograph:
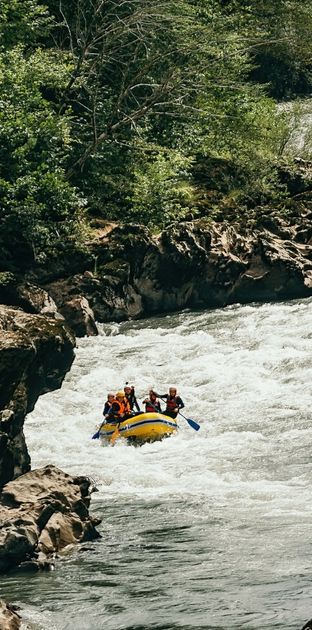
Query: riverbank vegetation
x,y
141,110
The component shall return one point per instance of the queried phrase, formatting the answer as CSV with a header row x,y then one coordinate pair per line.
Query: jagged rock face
x,y
35,354
130,273
9,619
42,512
194,264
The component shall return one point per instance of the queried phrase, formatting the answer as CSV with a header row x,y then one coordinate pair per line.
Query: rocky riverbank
x,y
41,513
133,274
127,272
9,618
35,354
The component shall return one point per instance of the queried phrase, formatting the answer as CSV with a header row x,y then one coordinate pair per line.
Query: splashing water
x,y
203,530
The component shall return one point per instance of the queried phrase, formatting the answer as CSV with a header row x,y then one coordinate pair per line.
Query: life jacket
x,y
152,406
130,399
126,406
171,403
123,408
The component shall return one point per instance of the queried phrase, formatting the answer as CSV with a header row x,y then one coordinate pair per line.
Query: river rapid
x,y
203,530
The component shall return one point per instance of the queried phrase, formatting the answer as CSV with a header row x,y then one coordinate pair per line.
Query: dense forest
x,y
141,110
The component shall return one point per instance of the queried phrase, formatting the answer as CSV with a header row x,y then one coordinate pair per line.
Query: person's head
x,y
120,395
127,389
152,394
172,391
110,397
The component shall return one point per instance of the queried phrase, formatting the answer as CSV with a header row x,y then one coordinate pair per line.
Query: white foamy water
x,y
204,530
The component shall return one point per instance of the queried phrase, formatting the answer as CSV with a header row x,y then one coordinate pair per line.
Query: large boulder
x,y
42,512
35,354
78,312
15,291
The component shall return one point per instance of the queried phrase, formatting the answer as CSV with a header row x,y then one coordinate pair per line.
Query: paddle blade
x,y
115,435
193,424
96,436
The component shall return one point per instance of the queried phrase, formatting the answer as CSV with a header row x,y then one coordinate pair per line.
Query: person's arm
x,y
134,400
180,402
113,411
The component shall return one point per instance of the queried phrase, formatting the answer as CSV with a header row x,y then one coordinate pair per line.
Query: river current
x,y
207,530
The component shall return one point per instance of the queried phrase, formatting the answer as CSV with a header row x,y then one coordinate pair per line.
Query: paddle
x,y
191,422
96,435
115,435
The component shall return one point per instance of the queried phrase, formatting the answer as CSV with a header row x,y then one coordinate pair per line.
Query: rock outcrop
x,y
35,354
9,619
42,512
77,311
126,272
196,264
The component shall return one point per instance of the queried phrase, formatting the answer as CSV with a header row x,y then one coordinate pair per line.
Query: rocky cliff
x,y
126,271
195,264
35,354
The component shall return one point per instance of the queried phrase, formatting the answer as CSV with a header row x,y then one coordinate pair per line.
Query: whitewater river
x,y
204,530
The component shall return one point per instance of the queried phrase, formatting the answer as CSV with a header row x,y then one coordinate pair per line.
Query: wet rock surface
x,y
41,513
35,354
9,619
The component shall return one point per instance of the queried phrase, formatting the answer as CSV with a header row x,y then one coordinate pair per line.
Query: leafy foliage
x,y
22,21
38,205
140,110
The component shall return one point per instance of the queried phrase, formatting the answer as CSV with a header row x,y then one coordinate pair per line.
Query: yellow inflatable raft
x,y
145,427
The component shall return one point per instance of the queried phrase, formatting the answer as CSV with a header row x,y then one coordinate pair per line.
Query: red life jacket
x,y
171,403
152,406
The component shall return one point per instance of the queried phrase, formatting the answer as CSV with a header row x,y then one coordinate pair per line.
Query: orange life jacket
x,y
123,407
126,406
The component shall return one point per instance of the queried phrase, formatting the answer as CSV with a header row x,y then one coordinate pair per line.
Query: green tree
x,y
38,207
22,21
